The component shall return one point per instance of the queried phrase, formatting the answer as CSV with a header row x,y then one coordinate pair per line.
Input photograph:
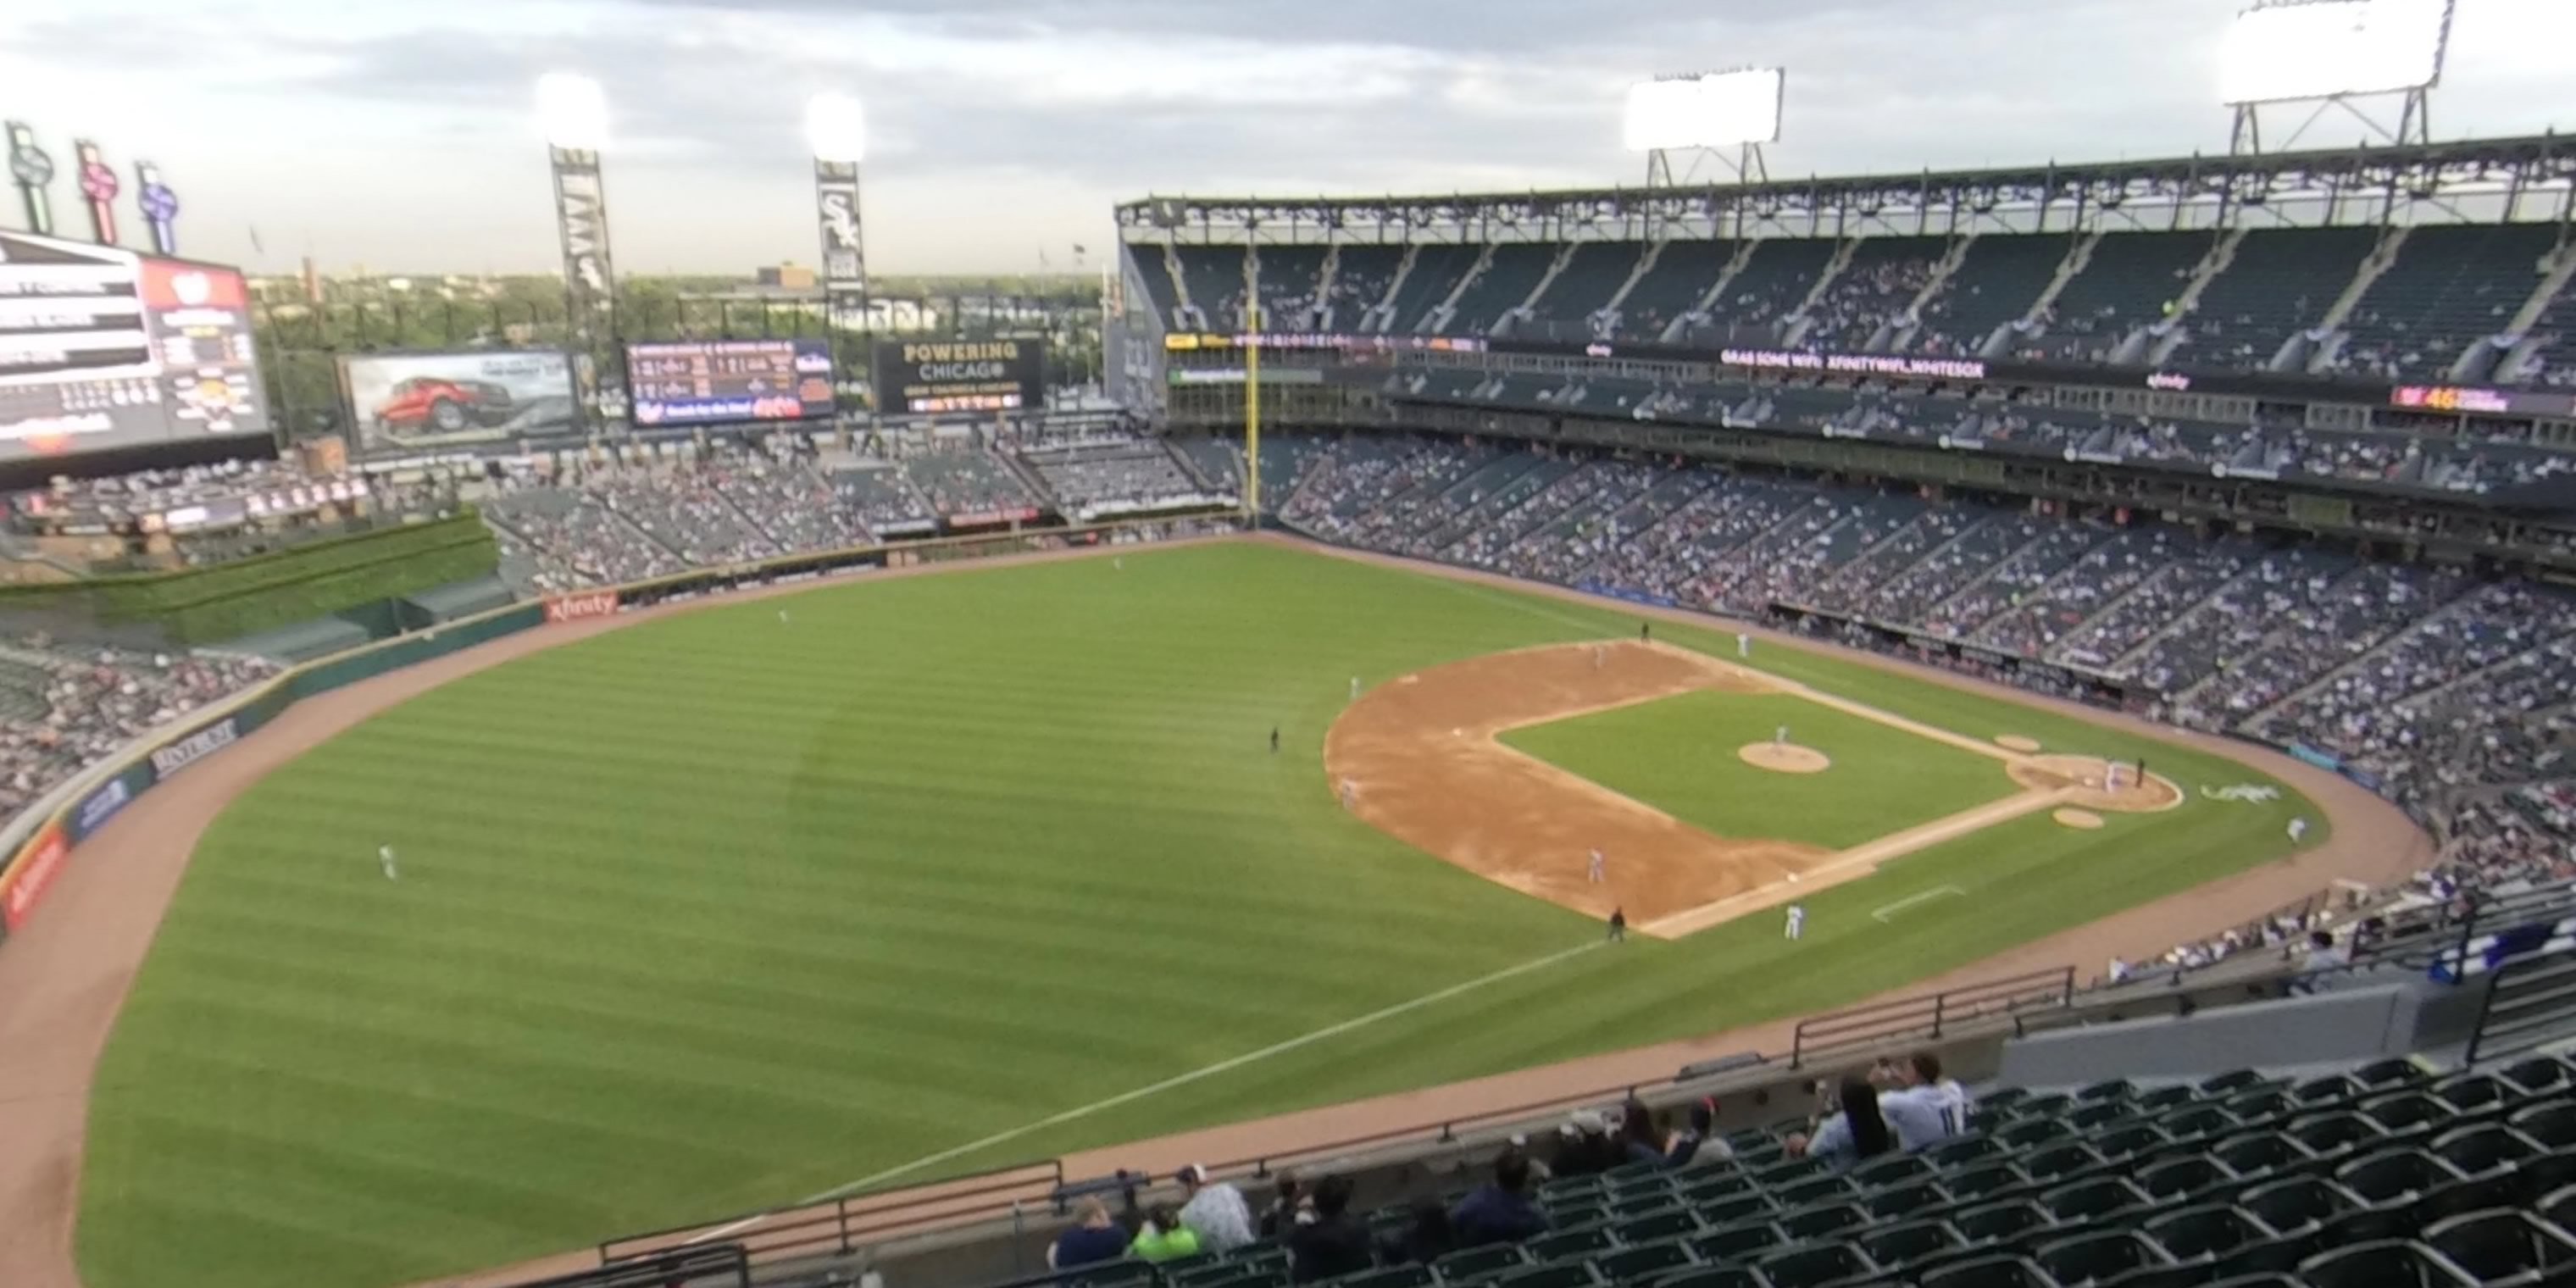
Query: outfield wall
x,y
46,837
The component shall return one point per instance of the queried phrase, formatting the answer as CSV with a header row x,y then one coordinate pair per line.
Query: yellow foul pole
x,y
1252,388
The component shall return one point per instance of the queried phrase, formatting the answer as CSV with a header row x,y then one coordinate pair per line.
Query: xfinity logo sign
x,y
195,747
573,608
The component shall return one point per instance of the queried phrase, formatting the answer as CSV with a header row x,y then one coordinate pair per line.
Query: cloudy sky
x,y
398,135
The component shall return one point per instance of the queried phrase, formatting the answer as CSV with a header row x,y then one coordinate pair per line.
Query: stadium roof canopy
x,y
2469,180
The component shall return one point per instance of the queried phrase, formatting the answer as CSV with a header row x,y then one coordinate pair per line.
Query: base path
x,y
1421,756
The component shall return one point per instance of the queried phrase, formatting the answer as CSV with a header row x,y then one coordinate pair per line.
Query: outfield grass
x,y
1679,755
720,912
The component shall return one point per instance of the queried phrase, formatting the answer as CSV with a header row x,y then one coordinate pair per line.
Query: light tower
x,y
573,112
2325,54
836,127
1722,118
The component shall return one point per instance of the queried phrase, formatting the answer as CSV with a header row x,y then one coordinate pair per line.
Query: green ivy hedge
x,y
264,592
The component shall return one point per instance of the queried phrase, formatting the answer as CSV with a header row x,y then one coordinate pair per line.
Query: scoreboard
x,y
937,377
104,348
707,382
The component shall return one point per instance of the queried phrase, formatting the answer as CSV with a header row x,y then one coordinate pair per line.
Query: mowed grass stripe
x,y
717,911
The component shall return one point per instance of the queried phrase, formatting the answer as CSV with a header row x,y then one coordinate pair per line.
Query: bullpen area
x,y
761,900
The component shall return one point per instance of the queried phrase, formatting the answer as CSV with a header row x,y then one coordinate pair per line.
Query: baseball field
x,y
744,904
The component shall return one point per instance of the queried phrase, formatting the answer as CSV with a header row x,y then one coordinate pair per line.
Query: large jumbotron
x,y
620,810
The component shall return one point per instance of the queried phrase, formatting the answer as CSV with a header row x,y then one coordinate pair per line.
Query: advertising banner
x,y
32,872
935,377
104,803
407,402
178,755
709,382
574,608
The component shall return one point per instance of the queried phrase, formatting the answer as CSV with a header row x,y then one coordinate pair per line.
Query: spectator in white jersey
x,y
1924,1107
1215,1212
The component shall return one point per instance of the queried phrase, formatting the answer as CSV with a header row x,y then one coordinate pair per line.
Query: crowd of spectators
x,y
64,709
2434,683
1120,476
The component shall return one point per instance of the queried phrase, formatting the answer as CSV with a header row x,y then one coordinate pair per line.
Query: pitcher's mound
x,y
1784,758
2078,818
2015,742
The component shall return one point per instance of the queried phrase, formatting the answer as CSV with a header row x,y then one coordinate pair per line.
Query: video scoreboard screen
x,y
102,348
936,377
708,382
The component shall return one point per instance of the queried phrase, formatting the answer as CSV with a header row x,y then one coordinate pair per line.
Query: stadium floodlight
x,y
2319,49
837,128
1705,113
1715,110
2329,52
573,111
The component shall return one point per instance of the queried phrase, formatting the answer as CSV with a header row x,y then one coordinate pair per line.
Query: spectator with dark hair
x,y
1094,1238
1852,1135
1500,1210
1685,1145
1334,1243
1164,1238
1286,1210
1923,1107
1426,1239
1638,1139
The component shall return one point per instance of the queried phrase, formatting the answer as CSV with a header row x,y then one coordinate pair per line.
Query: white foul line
x,y
1127,1097
1880,914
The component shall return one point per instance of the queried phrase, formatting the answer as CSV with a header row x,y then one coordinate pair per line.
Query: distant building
x,y
793,277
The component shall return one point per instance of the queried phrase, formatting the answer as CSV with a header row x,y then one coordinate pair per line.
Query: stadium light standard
x,y
836,127
1727,117
572,111
2325,54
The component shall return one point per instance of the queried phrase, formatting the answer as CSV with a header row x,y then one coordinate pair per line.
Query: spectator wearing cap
x,y
1094,1238
1500,1210
1164,1237
1335,1242
1584,1147
1215,1211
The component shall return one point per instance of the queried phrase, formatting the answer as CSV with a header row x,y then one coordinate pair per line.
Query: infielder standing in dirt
x,y
1597,861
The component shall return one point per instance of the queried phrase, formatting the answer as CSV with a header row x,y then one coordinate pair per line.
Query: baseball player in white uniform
x,y
1780,736
1598,653
1355,688
385,857
2298,828
782,617
1797,924
1596,874
1743,644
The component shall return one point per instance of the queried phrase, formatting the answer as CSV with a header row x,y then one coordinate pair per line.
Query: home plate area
x,y
1424,762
